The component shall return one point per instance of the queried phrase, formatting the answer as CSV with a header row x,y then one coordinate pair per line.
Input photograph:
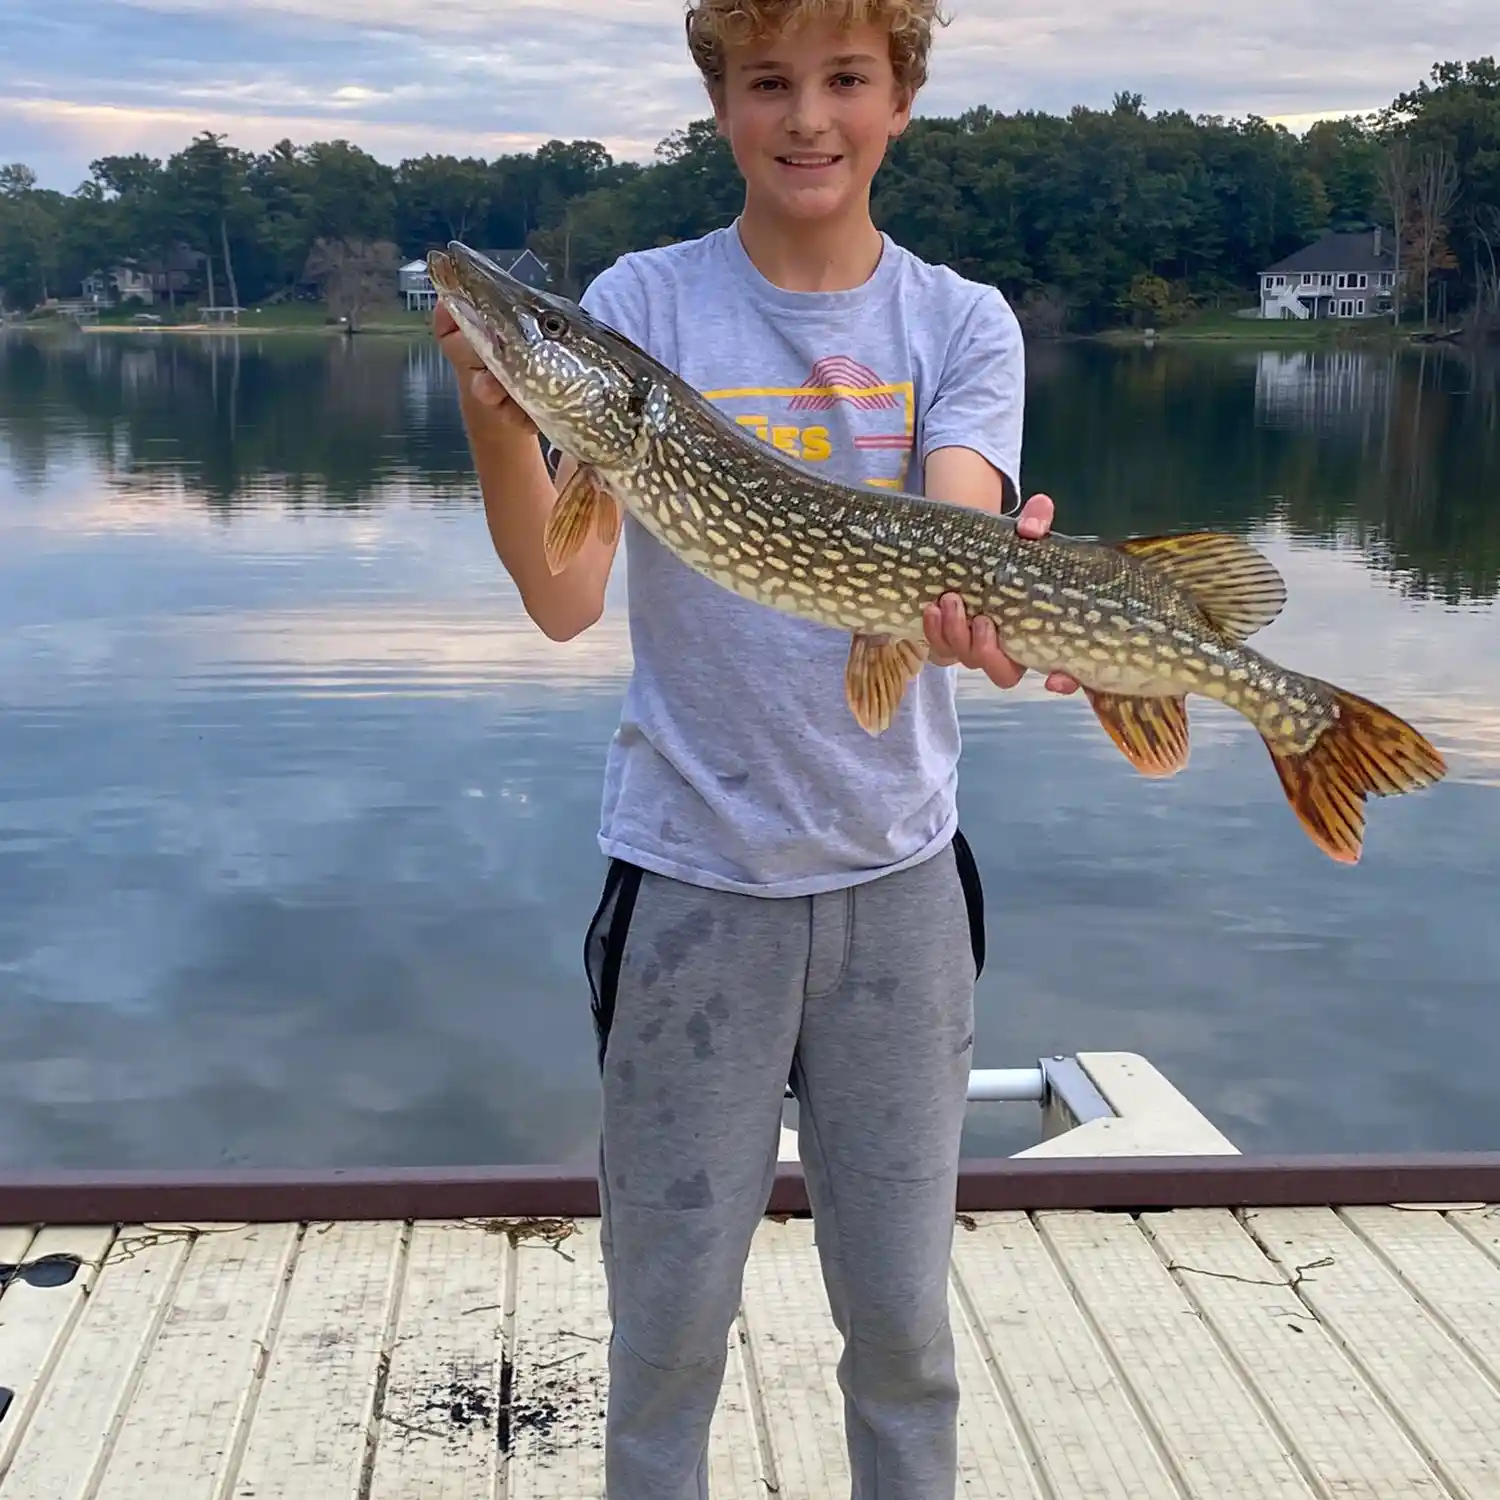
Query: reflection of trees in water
x,y
326,422
1418,485
1396,453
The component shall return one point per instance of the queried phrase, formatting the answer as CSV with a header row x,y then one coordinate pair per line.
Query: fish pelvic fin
x,y
584,504
1366,751
875,677
1152,733
1238,590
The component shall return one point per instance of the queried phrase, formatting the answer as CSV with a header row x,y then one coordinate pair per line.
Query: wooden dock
x,y
1197,1352
1219,1353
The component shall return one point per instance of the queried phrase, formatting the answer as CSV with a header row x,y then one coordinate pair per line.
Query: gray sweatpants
x,y
707,1004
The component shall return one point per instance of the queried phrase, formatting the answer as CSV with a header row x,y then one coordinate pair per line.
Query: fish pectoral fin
x,y
583,503
1238,589
875,677
1152,733
607,518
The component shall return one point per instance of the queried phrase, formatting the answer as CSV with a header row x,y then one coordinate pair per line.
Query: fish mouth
x,y
461,273
487,303
442,272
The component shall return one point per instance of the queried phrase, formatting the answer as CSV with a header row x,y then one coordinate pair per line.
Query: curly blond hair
x,y
713,25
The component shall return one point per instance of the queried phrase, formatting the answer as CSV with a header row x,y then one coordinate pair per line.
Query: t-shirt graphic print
x,y
883,414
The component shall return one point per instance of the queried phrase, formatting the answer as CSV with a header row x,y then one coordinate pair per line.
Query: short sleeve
x,y
617,297
980,400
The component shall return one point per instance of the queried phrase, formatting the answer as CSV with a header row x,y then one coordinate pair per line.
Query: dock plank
x,y
1198,1407
559,1366
993,1462
1448,1273
793,1347
438,1428
1075,1410
1349,1442
63,1452
189,1415
14,1241
1444,1400
314,1410
736,1470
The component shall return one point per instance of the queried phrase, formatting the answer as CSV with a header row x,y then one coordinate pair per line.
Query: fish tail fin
x,y
1366,751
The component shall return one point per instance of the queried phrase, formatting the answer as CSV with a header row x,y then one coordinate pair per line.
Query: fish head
x,y
580,382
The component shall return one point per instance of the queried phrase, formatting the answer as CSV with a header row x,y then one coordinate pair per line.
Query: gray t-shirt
x,y
737,763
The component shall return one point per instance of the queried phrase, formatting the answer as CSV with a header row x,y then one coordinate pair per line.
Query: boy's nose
x,y
809,113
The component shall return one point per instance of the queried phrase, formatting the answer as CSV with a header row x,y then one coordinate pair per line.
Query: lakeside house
x,y
1342,275
415,285
145,281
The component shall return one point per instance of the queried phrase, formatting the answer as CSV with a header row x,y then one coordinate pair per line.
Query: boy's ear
x,y
905,98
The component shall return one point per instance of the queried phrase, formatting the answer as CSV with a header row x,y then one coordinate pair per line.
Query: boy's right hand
x,y
473,379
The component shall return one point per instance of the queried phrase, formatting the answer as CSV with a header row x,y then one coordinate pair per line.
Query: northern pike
x,y
1140,623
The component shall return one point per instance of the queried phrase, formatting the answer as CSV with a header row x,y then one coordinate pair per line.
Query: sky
x,y
482,77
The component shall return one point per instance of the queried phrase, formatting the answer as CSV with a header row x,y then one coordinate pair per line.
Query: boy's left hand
x,y
955,640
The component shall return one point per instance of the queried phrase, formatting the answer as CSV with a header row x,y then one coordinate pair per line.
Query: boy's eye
x,y
848,80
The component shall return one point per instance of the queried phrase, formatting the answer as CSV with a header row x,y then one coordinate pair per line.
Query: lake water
x,y
297,812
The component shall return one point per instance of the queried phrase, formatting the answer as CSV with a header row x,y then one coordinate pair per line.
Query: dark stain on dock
x,y
561,1411
463,1405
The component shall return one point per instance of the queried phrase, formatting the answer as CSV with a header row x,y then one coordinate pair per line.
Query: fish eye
x,y
554,325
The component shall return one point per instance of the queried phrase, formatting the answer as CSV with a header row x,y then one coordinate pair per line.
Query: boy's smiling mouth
x,y
809,160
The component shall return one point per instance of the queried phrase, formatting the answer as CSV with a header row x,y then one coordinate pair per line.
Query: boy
x,y
786,897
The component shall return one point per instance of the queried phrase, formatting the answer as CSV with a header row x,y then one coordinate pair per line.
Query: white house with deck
x,y
1342,275
415,285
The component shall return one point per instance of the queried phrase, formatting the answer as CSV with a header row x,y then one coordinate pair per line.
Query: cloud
x,y
496,75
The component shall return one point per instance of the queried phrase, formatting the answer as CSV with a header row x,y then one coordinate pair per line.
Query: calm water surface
x,y
297,813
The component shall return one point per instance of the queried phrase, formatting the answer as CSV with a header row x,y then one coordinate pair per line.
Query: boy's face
x,y
809,115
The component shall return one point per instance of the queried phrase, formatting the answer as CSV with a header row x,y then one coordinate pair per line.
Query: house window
x,y
1387,278
1361,306
1326,279
1307,278
1363,280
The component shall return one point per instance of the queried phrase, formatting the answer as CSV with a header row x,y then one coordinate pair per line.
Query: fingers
x,y
486,390
953,639
1035,519
949,636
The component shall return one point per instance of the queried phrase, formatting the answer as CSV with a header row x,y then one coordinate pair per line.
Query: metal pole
x,y
1026,1085
1008,1084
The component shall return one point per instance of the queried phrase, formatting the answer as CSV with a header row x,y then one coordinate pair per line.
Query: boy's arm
x,y
518,491
518,498
971,456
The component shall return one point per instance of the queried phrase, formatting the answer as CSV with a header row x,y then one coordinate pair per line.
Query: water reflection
x,y
296,826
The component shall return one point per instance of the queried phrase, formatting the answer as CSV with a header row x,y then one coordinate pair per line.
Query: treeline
x,y
1083,220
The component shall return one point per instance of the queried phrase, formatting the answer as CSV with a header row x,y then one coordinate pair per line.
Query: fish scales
x,y
1141,623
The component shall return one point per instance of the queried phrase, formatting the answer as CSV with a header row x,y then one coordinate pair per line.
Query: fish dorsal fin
x,y
1239,590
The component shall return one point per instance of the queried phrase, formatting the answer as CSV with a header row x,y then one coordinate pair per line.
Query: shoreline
x,y
1249,334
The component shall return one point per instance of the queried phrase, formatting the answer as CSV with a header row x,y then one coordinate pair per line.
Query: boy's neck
x,y
828,256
